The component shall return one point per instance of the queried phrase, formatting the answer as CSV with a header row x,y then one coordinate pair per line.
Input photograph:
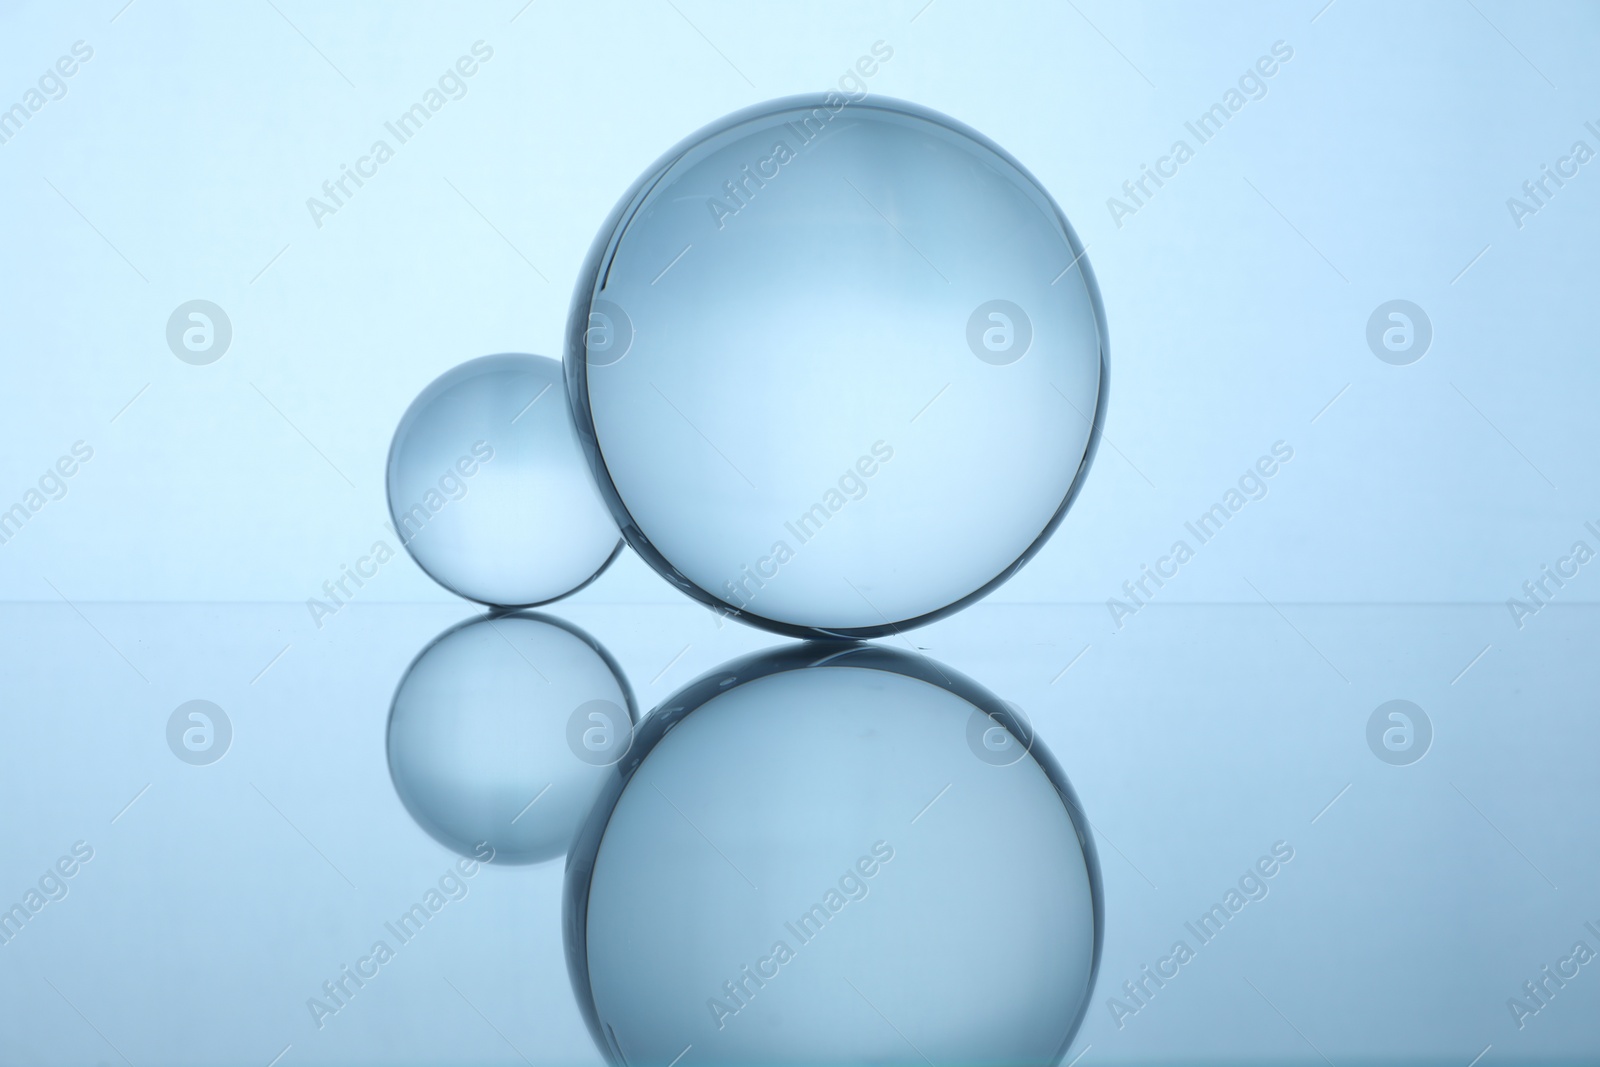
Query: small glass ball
x,y
839,365
489,490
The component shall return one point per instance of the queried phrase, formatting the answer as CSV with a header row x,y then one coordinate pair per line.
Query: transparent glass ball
x,y
489,490
502,733
839,367
816,856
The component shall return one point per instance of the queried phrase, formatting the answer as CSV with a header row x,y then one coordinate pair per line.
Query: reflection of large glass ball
x,y
824,856
503,731
488,489
839,367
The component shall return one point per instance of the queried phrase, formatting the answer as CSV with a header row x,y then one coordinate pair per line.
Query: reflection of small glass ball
x,y
840,367
489,490
818,856
502,732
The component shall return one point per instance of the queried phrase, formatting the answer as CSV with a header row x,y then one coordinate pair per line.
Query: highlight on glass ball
x,y
489,490
502,733
839,369
892,881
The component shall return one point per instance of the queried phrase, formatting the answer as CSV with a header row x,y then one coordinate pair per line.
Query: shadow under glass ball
x,y
489,490
808,859
504,730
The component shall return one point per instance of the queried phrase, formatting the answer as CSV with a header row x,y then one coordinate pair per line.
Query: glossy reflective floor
x,y
1282,863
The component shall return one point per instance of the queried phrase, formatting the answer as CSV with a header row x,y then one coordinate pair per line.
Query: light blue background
x,y
1377,167
1391,141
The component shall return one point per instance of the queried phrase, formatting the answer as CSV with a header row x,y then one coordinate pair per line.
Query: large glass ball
x,y
822,856
839,366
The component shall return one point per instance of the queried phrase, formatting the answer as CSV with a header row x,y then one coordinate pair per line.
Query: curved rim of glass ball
x,y
395,523
590,284
753,667
423,819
